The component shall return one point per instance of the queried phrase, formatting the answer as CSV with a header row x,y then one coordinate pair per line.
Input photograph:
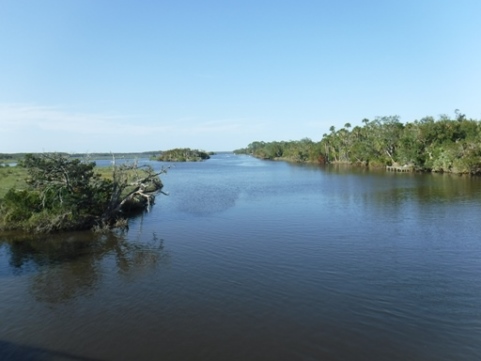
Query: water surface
x,y
250,259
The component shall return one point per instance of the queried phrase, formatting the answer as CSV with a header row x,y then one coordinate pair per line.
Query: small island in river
x,y
183,155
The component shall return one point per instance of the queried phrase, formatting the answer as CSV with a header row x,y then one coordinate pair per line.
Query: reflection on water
x,y
64,267
12,352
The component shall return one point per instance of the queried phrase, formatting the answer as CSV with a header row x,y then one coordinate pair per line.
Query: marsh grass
x,y
14,177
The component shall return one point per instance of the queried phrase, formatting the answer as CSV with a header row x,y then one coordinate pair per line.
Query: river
x,y
258,260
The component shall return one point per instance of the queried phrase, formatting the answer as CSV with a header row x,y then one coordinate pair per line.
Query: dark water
x,y
257,260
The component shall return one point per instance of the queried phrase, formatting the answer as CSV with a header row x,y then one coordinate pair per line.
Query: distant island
x,y
171,155
183,155
9,158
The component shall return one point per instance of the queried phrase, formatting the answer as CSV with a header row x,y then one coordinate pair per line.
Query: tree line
x,y
447,144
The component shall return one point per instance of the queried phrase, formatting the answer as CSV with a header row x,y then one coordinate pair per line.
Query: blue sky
x,y
120,76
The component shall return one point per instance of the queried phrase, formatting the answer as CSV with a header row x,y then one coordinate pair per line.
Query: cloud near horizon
x,y
35,127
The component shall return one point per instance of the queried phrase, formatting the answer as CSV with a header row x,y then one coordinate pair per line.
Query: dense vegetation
x,y
443,145
183,155
62,194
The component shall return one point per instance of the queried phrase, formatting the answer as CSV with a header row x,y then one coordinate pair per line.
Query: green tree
x,y
183,155
65,194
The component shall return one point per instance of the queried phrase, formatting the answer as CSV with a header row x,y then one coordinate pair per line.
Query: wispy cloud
x,y
14,117
39,126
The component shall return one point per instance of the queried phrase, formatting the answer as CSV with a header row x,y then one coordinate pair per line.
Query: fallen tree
x,y
68,194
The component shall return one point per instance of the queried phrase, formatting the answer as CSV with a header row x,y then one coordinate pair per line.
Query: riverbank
x,y
392,167
54,193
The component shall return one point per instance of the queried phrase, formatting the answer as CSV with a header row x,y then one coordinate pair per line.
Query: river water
x,y
258,260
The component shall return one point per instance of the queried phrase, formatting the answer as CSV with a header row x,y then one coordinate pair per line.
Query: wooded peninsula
x,y
451,145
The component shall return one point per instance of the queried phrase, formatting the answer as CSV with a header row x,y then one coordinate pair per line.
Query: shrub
x,y
65,194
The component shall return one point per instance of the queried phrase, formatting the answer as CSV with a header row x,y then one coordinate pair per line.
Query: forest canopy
x,y
444,145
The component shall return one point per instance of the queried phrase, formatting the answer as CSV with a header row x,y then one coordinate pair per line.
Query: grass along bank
x,y
12,177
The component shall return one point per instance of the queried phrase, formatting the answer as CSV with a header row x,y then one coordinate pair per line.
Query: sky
x,y
128,76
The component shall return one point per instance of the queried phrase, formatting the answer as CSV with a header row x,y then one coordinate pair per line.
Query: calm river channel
x,y
258,260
